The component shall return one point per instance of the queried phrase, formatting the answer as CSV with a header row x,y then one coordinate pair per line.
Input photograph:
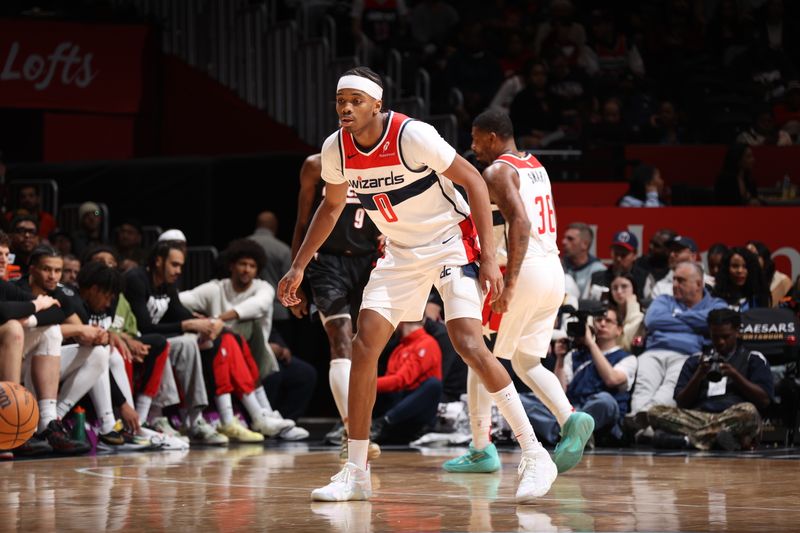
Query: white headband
x,y
361,84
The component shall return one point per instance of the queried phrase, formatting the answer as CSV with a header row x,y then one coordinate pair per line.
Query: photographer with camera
x,y
597,376
719,393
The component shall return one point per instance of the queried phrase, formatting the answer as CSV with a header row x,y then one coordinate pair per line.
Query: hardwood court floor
x,y
267,489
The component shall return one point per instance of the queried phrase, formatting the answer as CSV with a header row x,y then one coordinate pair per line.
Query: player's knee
x,y
98,360
469,347
12,332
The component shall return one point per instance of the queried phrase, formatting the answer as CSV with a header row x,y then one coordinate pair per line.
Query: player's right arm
x,y
322,223
310,175
503,185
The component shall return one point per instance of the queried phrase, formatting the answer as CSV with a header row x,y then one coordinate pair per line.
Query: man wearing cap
x,y
681,248
90,224
623,257
404,175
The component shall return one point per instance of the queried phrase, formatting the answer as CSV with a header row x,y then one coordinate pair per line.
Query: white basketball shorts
x,y
401,281
528,324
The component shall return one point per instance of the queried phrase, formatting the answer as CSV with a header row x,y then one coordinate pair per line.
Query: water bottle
x,y
79,424
786,186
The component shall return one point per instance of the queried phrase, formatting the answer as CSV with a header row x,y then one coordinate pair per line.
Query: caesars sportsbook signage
x,y
774,226
71,66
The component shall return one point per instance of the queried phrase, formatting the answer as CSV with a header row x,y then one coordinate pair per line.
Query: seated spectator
x,y
578,262
623,256
597,376
24,238
676,328
149,352
533,111
735,184
90,228
61,379
562,17
680,249
29,204
665,126
787,113
244,304
61,241
609,54
69,275
410,390
289,393
656,260
740,281
128,244
154,301
764,132
625,302
718,401
278,258
779,283
645,189
16,306
714,258
609,129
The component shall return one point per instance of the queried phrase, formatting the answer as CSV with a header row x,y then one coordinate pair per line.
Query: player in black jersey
x,y
337,277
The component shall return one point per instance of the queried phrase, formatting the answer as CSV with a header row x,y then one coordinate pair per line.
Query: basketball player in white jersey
x,y
403,173
525,227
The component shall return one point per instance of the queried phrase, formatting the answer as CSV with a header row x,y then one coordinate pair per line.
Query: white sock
x,y
47,413
63,407
480,411
261,396
253,406
507,400
100,393
357,452
224,408
143,404
107,422
339,378
548,388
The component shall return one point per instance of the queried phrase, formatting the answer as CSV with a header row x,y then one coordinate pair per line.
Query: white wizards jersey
x,y
537,197
400,186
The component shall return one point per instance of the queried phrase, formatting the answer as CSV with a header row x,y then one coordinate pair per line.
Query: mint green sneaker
x,y
574,436
475,461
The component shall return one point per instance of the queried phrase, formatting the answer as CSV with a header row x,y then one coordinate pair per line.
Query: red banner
x,y
76,66
733,226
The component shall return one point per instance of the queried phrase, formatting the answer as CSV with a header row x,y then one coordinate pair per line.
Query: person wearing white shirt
x,y
244,304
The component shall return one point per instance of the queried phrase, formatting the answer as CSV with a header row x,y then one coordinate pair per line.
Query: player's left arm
x,y
464,174
503,186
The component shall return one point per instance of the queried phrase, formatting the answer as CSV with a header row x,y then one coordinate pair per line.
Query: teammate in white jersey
x,y
534,289
401,171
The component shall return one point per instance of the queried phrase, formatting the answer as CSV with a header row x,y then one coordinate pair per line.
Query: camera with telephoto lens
x,y
715,372
576,327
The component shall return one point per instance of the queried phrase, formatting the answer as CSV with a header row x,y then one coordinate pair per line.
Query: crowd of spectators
x,y
665,307
105,325
579,73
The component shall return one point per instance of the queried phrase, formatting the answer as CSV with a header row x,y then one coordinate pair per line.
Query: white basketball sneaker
x,y
536,472
350,484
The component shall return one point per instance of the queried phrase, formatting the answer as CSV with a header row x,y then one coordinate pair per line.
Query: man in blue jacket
x,y
676,328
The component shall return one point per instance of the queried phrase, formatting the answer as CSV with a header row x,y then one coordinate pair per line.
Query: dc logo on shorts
x,y
446,271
